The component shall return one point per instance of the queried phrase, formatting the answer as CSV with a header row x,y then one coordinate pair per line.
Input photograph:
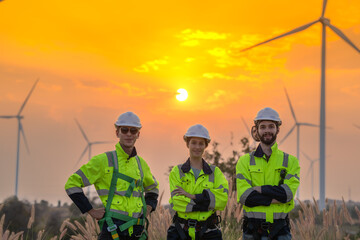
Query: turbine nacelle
x,y
324,20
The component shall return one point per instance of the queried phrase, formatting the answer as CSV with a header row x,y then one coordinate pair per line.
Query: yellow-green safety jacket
x,y
255,170
210,180
99,171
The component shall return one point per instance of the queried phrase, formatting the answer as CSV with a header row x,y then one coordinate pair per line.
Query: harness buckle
x,y
192,223
112,228
265,226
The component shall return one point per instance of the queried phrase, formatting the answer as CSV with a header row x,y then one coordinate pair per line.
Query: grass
x,y
335,222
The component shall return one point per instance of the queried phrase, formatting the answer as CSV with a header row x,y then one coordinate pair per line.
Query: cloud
x,y
191,37
220,98
352,90
216,75
50,87
256,60
95,83
152,65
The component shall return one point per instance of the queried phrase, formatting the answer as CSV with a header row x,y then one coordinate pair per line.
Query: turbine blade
x,y
102,142
81,156
8,116
291,130
291,108
27,98
324,8
342,35
25,141
82,131
246,126
299,29
306,156
309,124
357,126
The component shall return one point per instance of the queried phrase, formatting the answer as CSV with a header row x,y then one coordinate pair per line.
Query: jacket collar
x,y
205,167
260,153
122,152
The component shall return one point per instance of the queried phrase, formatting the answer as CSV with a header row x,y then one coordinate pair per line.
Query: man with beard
x,y
267,180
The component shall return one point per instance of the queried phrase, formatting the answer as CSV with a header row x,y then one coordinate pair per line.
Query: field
x,y
307,222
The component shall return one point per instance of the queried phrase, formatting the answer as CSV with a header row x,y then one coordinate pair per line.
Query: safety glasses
x,y
125,130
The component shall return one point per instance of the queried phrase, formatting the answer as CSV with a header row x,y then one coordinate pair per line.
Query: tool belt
x,y
200,226
259,227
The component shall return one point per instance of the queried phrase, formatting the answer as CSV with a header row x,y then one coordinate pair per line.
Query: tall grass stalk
x,y
333,223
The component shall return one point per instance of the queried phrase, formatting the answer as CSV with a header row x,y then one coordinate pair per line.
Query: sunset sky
x,y
97,59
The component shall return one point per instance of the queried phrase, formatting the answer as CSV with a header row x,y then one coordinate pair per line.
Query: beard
x,y
268,141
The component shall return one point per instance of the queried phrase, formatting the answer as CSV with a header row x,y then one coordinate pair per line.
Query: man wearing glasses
x,y
124,183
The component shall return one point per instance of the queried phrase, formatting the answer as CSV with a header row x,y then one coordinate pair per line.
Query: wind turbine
x,y
357,126
297,125
252,143
311,169
20,130
89,144
325,23
87,148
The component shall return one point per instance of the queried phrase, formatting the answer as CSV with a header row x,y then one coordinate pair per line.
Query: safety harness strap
x,y
111,226
129,221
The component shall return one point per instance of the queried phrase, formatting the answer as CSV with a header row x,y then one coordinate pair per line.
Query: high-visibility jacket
x,y
211,184
252,170
99,171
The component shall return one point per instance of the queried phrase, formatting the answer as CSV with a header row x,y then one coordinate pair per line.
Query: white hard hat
x,y
128,119
268,114
197,130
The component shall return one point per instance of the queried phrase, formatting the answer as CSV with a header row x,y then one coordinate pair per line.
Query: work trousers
x,y
124,235
281,237
173,234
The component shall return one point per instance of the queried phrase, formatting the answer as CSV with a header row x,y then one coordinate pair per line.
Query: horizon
x,y
96,61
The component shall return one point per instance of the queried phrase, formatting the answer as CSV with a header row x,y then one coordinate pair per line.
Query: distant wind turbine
x,y
252,143
325,23
357,126
89,144
20,130
311,169
297,125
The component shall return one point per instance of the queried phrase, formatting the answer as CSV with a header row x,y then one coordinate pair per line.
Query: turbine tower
x,y
311,169
325,23
20,131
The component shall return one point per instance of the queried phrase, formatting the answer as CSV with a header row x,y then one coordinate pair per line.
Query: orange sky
x,y
96,60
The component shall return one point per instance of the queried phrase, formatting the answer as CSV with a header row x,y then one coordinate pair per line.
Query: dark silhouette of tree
x,y
17,214
227,166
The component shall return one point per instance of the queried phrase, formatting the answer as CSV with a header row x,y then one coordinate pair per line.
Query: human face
x,y
196,147
267,132
127,135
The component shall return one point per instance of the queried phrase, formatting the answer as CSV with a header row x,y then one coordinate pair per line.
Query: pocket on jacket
x,y
257,177
208,185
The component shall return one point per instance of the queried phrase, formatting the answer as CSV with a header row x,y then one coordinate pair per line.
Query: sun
x,y
182,95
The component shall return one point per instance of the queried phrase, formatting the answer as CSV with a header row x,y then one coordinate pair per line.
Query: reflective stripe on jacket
x,y
99,170
254,171
213,182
